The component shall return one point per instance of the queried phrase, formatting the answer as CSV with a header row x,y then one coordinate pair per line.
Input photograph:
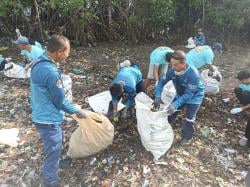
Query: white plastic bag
x,y
67,85
168,93
9,137
212,86
13,70
100,102
155,131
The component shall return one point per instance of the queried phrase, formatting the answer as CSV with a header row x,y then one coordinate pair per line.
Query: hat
x,y
191,43
22,40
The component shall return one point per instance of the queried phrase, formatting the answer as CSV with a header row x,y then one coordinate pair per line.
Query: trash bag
x,y
155,131
13,70
168,93
216,74
212,86
95,132
100,102
9,137
191,43
67,85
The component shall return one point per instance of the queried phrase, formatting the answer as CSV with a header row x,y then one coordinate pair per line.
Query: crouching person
x,y
190,93
127,81
49,104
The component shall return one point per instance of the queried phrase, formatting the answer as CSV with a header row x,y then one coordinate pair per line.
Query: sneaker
x,y
185,141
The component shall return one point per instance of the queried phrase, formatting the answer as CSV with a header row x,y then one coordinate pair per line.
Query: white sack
x,y
155,131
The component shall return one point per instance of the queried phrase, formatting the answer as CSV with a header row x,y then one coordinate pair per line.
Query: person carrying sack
x,y
190,93
49,105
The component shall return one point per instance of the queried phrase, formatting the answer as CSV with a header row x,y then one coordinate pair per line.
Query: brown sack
x,y
95,132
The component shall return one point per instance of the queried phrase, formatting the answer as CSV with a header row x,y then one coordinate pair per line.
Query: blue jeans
x,y
188,124
51,135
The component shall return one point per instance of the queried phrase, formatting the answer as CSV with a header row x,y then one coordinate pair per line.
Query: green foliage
x,y
127,19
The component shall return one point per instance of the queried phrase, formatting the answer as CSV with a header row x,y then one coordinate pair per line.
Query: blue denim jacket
x,y
47,94
129,77
200,40
188,86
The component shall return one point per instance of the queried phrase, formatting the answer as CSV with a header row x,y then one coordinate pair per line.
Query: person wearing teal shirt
x,y
31,52
159,60
201,56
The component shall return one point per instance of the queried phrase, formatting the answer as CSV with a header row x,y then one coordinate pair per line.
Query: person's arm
x,y
131,97
115,103
246,107
57,95
156,72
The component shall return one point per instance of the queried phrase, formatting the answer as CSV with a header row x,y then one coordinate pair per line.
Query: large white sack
x,y
67,85
100,102
212,86
9,137
168,93
155,131
13,70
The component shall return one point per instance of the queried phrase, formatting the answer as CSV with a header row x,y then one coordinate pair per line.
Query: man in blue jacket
x,y
49,104
128,80
200,38
190,93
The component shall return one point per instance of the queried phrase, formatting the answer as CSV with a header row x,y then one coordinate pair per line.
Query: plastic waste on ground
x,y
95,133
212,86
100,102
191,43
67,85
155,131
9,137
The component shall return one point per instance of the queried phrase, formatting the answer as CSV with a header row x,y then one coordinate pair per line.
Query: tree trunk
x,y
38,19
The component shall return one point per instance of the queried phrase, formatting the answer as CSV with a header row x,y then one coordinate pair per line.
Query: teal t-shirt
x,y
245,87
34,54
200,56
158,56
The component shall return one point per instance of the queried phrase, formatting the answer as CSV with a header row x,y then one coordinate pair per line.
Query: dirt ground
x,y
214,158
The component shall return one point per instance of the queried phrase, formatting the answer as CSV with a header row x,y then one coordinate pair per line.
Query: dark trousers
x,y
244,99
51,136
188,124
242,96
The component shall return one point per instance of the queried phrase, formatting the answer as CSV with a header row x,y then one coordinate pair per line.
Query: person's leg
x,y
245,97
51,136
188,124
238,92
139,87
163,70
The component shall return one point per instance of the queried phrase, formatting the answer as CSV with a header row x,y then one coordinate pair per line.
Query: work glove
x,y
124,113
236,110
116,115
81,114
156,83
171,110
156,103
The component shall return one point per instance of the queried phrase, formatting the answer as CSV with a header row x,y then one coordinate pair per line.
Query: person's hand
x,y
171,110
116,115
81,114
236,110
156,103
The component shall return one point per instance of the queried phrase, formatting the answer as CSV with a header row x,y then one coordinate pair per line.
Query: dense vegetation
x,y
91,21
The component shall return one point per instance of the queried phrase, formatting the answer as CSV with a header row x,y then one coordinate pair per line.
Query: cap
x,y
22,40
